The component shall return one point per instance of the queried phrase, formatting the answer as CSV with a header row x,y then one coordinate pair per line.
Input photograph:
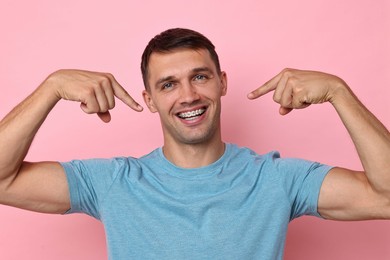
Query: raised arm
x,y
42,186
345,194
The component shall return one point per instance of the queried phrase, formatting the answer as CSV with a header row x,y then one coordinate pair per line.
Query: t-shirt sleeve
x,y
302,181
89,181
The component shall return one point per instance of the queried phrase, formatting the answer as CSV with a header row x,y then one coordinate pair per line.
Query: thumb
x,y
104,116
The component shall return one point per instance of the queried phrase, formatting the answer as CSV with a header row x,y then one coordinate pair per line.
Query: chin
x,y
201,138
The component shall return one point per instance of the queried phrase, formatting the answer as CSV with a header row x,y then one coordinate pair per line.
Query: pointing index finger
x,y
266,87
124,96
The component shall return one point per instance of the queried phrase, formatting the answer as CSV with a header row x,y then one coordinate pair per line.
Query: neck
x,y
194,155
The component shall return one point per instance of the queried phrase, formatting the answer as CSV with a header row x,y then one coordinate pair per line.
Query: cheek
x,y
213,94
164,104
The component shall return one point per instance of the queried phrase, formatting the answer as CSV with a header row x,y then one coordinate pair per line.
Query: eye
x,y
200,77
167,85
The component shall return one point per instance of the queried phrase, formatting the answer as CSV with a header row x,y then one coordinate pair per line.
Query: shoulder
x,y
100,168
100,163
272,162
245,154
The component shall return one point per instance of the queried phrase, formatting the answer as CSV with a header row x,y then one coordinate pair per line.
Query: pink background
x,y
255,40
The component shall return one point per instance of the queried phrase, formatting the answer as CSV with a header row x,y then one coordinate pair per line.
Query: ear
x,y
223,83
149,101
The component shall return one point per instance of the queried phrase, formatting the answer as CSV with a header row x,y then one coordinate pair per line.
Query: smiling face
x,y
185,89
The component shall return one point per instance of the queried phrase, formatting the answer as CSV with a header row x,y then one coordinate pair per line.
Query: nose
x,y
188,93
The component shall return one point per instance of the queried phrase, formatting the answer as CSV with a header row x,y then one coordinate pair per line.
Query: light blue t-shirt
x,y
236,208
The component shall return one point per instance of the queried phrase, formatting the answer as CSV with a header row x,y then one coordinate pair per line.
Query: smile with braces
x,y
190,114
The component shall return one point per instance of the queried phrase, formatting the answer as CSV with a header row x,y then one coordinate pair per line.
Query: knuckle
x,y
104,81
285,102
102,78
89,109
292,82
276,98
103,107
88,92
92,107
286,70
110,78
109,75
295,91
111,105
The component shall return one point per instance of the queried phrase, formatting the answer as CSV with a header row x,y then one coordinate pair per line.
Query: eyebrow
x,y
195,70
202,69
164,79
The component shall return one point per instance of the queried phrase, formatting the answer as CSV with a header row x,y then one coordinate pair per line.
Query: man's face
x,y
185,89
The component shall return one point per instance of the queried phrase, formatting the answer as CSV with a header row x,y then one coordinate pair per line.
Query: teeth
x,y
190,114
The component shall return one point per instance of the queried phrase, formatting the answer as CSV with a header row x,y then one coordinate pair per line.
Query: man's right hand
x,y
42,186
94,90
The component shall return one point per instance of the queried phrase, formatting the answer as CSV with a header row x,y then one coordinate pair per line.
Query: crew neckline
x,y
193,173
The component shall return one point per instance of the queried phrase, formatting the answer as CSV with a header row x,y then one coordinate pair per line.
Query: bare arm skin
x,y
42,186
345,194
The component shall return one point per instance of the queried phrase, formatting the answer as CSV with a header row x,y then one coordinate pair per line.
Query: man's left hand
x,y
296,89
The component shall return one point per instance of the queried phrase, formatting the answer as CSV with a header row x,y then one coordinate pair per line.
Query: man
x,y
196,197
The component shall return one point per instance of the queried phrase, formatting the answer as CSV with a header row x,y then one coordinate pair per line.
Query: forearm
x,y
18,128
370,136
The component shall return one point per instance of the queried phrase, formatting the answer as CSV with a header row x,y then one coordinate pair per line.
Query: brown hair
x,y
173,39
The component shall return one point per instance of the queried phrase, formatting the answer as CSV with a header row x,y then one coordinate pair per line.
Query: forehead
x,y
178,62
